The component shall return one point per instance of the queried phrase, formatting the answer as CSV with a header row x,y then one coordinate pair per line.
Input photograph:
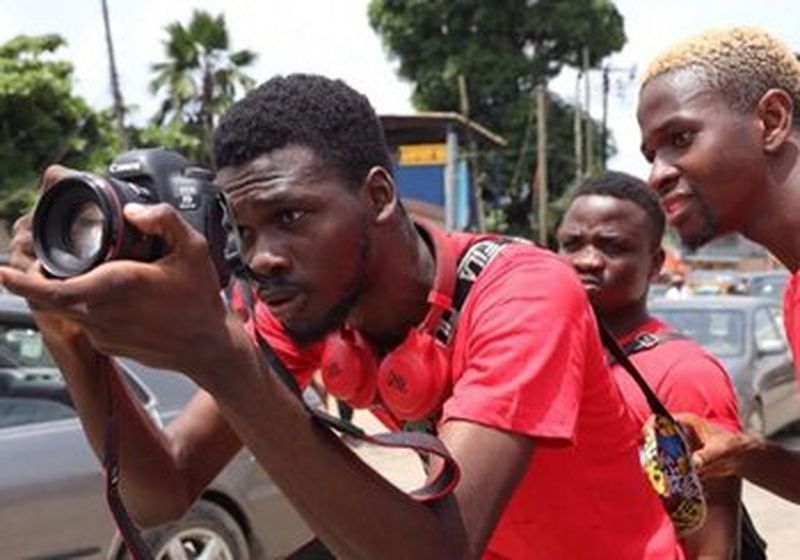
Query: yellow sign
x,y
423,154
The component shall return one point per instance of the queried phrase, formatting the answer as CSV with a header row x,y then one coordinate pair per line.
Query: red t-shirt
x,y
684,376
791,318
526,358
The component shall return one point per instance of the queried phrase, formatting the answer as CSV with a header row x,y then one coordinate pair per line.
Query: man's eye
x,y
682,139
614,248
569,245
290,216
245,236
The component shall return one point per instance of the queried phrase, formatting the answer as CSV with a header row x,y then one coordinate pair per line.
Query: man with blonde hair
x,y
720,122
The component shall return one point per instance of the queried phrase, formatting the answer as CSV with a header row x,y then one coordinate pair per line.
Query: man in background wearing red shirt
x,y
612,233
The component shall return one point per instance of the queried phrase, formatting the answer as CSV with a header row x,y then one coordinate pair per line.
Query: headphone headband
x,y
441,295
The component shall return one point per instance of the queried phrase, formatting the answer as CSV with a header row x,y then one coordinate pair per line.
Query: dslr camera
x,y
78,222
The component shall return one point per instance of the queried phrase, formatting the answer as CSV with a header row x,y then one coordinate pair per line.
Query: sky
x,y
333,37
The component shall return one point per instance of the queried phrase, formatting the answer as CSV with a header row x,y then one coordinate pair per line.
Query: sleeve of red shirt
x,y
698,383
791,311
525,324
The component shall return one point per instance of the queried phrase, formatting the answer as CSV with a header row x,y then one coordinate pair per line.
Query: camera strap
x,y
129,533
621,357
439,483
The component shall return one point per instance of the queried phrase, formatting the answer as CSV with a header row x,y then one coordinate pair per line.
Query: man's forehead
x,y
676,90
604,208
294,163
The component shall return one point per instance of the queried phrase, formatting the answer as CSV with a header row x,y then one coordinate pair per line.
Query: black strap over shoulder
x,y
648,340
622,359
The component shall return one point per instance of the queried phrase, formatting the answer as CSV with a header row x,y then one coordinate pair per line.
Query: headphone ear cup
x,y
348,369
414,379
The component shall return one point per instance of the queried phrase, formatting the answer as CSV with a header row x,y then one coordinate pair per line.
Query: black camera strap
x,y
129,533
439,483
621,357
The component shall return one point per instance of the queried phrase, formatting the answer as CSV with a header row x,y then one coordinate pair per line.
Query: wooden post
x,y
578,131
587,113
541,160
450,179
472,161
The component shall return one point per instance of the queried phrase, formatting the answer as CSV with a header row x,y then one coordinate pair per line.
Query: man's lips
x,y
590,282
280,302
675,204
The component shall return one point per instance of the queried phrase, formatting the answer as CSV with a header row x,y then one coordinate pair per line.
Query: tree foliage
x,y
504,49
200,78
42,121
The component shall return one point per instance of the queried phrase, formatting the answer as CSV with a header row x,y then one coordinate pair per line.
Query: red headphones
x,y
412,380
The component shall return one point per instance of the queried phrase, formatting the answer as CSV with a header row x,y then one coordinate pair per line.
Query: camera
x,y
78,222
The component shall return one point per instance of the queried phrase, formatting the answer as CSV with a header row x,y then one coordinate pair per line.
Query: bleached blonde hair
x,y
743,63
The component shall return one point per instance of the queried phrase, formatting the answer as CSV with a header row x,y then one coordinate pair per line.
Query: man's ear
x,y
775,110
381,193
657,263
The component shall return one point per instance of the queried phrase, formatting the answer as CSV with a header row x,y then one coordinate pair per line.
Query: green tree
x,y
42,121
504,49
200,78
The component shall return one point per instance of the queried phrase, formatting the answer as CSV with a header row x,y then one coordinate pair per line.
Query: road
x,y
777,520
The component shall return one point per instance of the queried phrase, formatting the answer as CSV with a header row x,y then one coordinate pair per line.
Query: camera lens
x,y
86,231
78,224
73,225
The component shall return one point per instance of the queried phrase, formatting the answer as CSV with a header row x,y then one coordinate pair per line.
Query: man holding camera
x,y
719,115
526,405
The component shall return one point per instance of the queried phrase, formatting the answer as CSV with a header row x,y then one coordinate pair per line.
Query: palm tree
x,y
200,75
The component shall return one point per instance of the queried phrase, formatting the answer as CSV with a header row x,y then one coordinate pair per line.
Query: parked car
x,y
746,335
769,284
52,487
703,282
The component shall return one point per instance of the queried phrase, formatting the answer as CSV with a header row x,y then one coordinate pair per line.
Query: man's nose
x,y
588,258
663,175
269,259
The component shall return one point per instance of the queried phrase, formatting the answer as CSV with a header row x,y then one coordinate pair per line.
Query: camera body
x,y
78,222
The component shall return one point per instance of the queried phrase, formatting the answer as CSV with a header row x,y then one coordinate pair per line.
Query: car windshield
x,y
768,286
720,331
22,346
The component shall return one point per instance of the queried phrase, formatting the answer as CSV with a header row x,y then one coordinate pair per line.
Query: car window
x,y
22,346
777,315
765,331
32,388
721,332
768,286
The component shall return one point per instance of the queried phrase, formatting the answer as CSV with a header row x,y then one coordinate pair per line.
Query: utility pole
x,y
604,132
577,122
588,115
540,179
630,72
472,160
116,92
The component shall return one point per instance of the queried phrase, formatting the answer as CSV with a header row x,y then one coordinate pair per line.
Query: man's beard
x,y
336,315
709,228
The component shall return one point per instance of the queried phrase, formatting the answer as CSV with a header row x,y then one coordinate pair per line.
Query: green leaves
x,y
42,121
504,49
199,79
